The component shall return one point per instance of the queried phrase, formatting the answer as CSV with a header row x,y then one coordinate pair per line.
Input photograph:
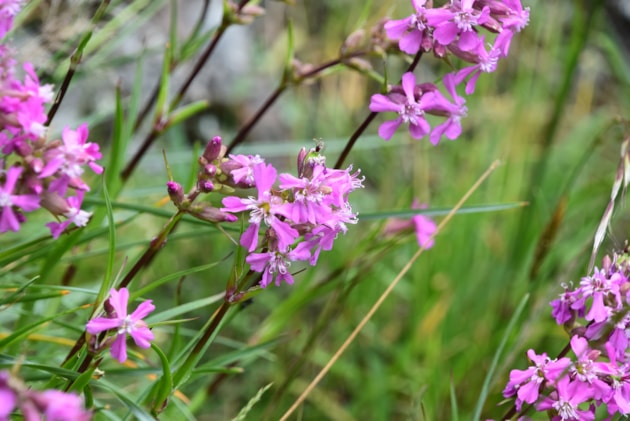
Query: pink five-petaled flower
x,y
412,31
124,324
263,209
275,264
28,202
408,108
526,383
585,370
68,159
458,20
565,400
601,288
486,63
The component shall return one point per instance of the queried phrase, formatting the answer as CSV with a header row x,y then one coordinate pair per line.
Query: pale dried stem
x,y
385,294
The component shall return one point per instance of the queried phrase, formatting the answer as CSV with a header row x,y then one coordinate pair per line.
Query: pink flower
x,y
458,21
67,160
564,402
9,220
8,10
412,31
423,225
124,324
61,406
526,384
409,109
454,111
275,264
264,208
486,63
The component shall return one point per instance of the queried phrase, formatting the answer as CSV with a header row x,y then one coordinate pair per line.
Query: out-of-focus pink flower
x,y
423,226
9,220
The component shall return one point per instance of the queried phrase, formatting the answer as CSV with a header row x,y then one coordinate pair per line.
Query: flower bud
x,y
353,41
175,192
207,212
206,186
210,170
54,203
213,149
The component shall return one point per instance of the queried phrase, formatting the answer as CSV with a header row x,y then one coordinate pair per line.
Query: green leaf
x,y
136,411
185,112
497,356
165,384
26,330
253,401
443,211
184,308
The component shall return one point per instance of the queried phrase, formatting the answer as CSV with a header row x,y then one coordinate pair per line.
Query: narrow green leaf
x,y
253,401
13,297
454,406
443,211
161,106
184,308
84,378
26,330
287,75
136,411
185,112
165,384
497,356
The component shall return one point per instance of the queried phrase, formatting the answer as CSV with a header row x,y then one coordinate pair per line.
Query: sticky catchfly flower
x,y
124,323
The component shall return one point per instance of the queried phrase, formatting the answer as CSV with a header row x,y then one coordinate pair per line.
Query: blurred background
x,y
552,113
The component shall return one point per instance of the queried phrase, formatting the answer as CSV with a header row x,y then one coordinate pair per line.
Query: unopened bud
x,y
175,192
207,212
353,41
54,203
300,161
210,170
213,149
206,186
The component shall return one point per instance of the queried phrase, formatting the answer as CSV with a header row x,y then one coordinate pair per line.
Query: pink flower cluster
x,y
300,217
117,320
453,28
52,405
35,172
573,388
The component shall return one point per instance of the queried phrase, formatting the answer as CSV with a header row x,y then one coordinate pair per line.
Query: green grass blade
x,y
497,356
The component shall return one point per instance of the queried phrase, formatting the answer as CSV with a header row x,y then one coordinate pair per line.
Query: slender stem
x,y
359,131
75,59
154,94
244,131
216,319
242,134
201,62
355,136
154,247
